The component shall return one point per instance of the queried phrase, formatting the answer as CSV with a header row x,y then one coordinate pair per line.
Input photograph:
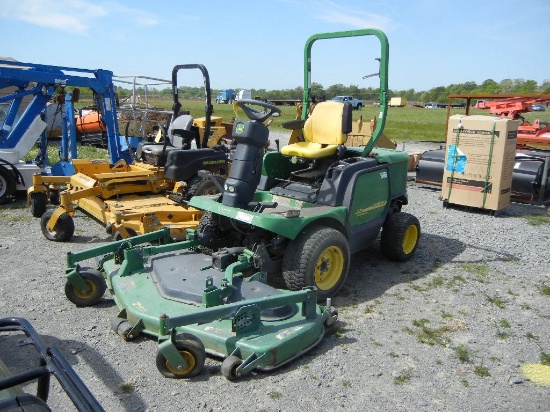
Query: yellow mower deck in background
x,y
150,193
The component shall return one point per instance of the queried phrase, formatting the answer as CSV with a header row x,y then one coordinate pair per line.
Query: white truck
x,y
244,94
355,103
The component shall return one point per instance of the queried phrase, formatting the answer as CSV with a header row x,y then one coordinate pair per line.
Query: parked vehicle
x,y
398,102
355,103
433,105
244,95
537,107
226,96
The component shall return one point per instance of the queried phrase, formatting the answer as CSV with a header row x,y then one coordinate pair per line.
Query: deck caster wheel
x,y
55,198
192,350
118,236
123,328
115,322
63,230
96,284
400,235
229,367
38,204
332,318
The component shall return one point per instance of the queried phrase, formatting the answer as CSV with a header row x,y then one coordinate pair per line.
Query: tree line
x,y
436,94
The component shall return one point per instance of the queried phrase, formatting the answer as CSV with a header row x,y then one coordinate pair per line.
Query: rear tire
x,y
319,256
63,230
7,185
200,186
400,235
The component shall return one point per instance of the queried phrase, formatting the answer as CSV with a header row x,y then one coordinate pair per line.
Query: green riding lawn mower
x,y
304,210
295,215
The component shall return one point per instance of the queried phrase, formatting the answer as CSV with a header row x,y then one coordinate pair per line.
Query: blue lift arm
x,y
44,80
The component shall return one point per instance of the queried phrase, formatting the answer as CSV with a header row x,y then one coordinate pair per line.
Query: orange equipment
x,y
90,123
536,134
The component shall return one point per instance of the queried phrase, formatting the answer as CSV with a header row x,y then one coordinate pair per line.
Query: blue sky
x,y
259,43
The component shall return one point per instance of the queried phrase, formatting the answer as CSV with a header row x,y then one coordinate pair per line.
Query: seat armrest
x,y
294,124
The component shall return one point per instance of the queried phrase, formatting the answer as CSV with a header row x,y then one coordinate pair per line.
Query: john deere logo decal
x,y
364,211
239,128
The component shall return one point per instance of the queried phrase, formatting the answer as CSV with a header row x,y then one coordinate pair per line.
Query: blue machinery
x,y
18,134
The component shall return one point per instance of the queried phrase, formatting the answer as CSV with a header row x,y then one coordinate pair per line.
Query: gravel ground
x,y
448,330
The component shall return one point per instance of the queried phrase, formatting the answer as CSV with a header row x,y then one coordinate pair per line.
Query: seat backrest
x,y
329,123
178,131
183,122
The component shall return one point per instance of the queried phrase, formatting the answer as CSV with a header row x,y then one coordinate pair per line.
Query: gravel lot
x,y
448,330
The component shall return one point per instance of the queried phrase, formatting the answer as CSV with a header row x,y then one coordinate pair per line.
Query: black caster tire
x,y
63,230
229,367
38,204
192,349
95,281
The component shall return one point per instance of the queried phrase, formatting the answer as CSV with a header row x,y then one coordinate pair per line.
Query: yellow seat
x,y
325,129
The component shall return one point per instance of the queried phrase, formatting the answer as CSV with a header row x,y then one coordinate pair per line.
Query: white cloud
x,y
136,15
335,13
73,16
359,21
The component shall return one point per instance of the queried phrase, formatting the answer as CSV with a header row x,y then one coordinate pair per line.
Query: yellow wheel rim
x,y
85,295
329,268
189,358
410,239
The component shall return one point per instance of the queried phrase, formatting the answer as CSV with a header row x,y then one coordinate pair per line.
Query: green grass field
x,y
403,123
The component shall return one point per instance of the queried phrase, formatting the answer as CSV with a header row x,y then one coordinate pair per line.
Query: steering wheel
x,y
255,114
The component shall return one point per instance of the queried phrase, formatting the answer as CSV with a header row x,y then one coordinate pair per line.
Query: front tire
x,y
400,235
319,256
192,349
63,230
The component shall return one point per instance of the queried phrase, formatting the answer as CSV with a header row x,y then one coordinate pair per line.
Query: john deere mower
x,y
303,211
196,303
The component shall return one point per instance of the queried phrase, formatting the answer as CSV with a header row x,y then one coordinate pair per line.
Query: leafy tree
x,y
545,87
317,89
528,87
490,86
437,94
507,85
